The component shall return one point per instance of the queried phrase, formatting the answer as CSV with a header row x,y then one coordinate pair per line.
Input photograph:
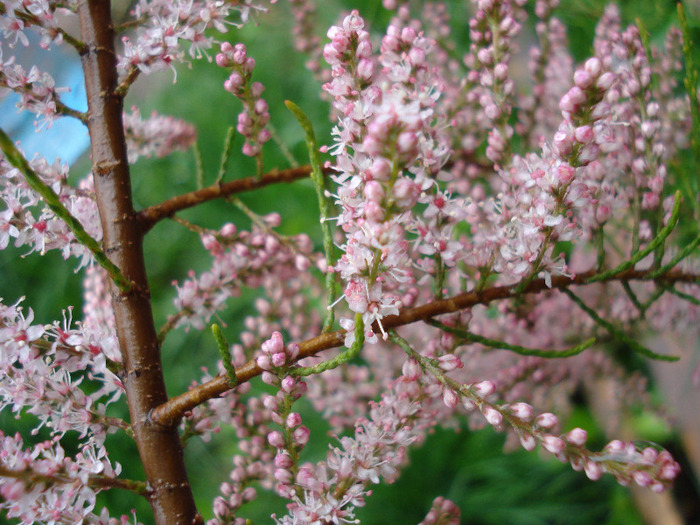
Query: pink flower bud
x,y
565,173
593,66
293,420
283,460
450,398
501,71
521,411
250,150
411,370
449,362
268,378
546,420
405,193
583,79
528,441
288,384
278,359
602,213
484,388
264,362
406,143
593,470
222,60
228,230
276,439
563,143
373,191
380,169
256,89
584,134
491,111
605,81
283,476
301,435
577,437
553,444
493,416
416,56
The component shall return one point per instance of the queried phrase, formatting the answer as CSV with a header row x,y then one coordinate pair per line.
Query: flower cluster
x,y
252,121
387,149
165,25
29,222
43,484
37,90
255,258
36,14
158,135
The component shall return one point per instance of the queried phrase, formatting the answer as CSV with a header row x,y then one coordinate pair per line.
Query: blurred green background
x,y
468,467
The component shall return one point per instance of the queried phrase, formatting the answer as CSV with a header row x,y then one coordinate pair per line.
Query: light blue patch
x,y
67,138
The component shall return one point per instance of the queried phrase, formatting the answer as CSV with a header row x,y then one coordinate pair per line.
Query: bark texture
x,y
159,447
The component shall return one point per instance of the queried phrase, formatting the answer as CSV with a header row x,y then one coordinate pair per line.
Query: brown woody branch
x,y
159,447
173,410
151,215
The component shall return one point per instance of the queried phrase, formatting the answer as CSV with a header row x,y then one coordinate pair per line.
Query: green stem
x,y
225,355
685,252
653,245
501,345
341,358
691,86
199,165
685,296
226,153
633,297
53,201
616,332
319,182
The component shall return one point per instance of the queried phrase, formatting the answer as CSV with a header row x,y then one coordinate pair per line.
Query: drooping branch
x,y
151,215
159,447
173,410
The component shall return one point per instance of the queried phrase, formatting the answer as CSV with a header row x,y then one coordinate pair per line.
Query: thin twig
x,y
148,217
170,412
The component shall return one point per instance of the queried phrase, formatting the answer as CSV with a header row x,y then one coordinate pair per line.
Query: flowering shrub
x,y
485,232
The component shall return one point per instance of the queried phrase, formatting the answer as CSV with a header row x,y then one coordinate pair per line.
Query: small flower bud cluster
x,y
276,358
255,258
255,115
551,68
305,41
442,512
350,56
291,440
333,488
492,30
158,135
649,466
254,463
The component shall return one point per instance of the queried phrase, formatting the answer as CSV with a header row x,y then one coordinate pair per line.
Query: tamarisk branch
x,y
174,409
159,447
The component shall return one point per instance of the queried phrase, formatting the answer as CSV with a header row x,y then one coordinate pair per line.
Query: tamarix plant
x,y
486,232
